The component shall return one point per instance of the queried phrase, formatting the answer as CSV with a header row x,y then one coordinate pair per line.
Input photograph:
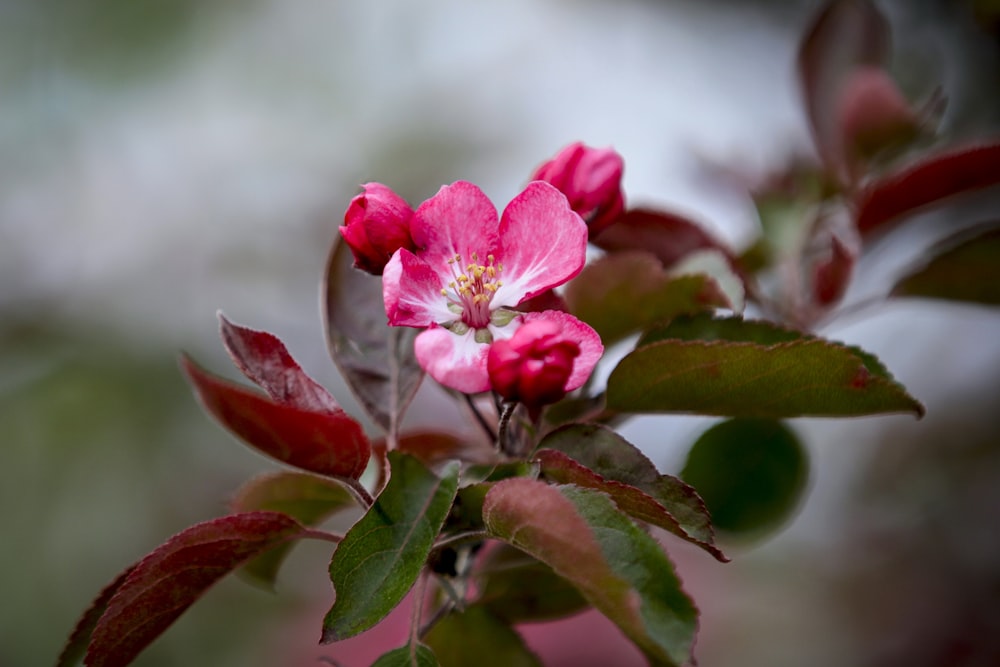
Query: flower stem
x,y
502,431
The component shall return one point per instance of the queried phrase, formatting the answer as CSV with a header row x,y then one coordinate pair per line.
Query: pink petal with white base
x,y
456,361
543,243
459,220
589,341
412,292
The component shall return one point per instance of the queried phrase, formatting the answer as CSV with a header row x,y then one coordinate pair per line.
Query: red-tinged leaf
x,y
966,271
382,555
307,498
832,276
845,35
326,443
615,565
76,645
377,360
628,291
741,368
751,472
594,456
266,362
668,236
411,655
433,447
517,588
886,202
476,637
167,581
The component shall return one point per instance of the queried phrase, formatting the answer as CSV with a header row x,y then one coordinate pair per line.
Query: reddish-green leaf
x,y
167,581
739,368
596,457
966,271
517,588
628,291
890,199
669,237
618,568
307,498
379,559
377,360
266,362
845,35
751,473
411,655
476,637
322,442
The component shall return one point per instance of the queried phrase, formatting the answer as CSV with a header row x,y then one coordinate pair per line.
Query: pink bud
x,y
376,224
591,179
534,365
873,115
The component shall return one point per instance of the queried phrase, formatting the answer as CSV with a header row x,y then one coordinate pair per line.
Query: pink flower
x,y
470,269
591,178
376,224
534,365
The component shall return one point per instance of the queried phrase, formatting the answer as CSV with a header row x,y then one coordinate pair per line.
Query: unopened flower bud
x,y
376,224
873,115
591,179
533,366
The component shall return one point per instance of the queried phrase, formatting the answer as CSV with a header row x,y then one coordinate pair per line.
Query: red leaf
x,y
831,277
167,581
885,201
266,362
668,236
77,643
322,442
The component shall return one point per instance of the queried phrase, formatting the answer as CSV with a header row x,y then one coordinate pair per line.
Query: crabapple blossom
x,y
470,269
376,224
591,178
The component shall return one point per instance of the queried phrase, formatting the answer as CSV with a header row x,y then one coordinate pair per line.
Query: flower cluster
x,y
457,270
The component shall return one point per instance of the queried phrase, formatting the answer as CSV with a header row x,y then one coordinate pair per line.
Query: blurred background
x,y
163,159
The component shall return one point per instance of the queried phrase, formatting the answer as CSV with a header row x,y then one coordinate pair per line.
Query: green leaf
x,y
307,498
377,360
596,457
967,271
616,566
476,637
738,368
628,291
517,588
411,655
751,473
380,558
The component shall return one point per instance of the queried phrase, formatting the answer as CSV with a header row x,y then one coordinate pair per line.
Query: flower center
x,y
470,293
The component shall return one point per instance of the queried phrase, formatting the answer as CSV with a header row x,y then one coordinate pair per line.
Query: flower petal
x,y
589,341
454,360
411,290
458,220
543,243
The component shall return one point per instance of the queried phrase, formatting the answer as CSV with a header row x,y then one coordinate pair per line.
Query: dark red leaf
x,y
668,236
933,179
322,442
77,643
265,361
167,581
